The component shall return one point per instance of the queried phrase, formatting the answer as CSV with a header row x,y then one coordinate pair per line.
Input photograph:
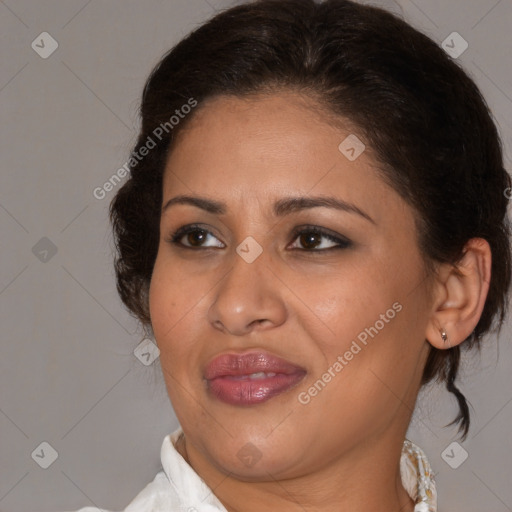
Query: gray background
x,y
69,376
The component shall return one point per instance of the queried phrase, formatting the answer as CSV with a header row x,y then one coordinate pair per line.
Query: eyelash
x,y
342,242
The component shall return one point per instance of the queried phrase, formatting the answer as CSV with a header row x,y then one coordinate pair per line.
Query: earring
x,y
443,335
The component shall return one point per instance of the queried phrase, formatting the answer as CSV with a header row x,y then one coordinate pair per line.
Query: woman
x,y
314,227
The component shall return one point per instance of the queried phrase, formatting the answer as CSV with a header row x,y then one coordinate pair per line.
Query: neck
x,y
365,478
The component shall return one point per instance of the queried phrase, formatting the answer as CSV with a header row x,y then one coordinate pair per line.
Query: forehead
x,y
280,141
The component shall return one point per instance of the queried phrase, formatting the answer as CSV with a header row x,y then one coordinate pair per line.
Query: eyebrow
x,y
282,207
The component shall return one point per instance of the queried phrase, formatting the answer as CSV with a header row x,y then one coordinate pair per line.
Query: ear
x,y
459,295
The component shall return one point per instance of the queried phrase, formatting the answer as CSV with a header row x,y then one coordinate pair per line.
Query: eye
x,y
195,236
310,237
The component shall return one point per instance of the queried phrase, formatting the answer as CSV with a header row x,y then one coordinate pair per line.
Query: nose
x,y
249,297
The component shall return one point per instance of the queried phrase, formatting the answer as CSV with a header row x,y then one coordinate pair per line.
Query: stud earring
x,y
443,335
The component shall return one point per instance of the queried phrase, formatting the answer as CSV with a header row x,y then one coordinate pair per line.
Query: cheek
x,y
370,317
162,304
168,306
178,302
171,293
348,303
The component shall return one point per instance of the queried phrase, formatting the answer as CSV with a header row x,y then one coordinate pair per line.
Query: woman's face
x,y
344,307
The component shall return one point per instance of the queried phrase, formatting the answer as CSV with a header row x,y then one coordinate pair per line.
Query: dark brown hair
x,y
419,112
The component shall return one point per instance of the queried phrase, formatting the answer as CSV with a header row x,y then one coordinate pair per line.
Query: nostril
x,y
258,321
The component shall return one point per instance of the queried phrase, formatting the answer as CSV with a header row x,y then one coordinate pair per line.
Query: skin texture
x,y
341,450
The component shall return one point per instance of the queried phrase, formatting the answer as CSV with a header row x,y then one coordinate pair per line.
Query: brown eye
x,y
196,237
192,237
311,239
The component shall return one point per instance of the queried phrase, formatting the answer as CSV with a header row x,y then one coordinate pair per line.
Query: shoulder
x,y
92,509
152,498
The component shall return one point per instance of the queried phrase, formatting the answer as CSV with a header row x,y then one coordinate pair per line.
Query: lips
x,y
250,378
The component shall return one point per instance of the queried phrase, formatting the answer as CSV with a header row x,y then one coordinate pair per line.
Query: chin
x,y
248,459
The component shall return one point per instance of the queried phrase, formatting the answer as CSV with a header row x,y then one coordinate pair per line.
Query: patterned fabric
x,y
418,478
178,488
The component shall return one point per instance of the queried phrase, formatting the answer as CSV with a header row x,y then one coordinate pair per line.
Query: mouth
x,y
250,378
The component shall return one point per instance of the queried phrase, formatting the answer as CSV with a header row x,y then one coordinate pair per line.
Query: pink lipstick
x,y
250,378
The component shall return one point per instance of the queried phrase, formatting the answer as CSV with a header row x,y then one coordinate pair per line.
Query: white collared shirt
x,y
178,488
